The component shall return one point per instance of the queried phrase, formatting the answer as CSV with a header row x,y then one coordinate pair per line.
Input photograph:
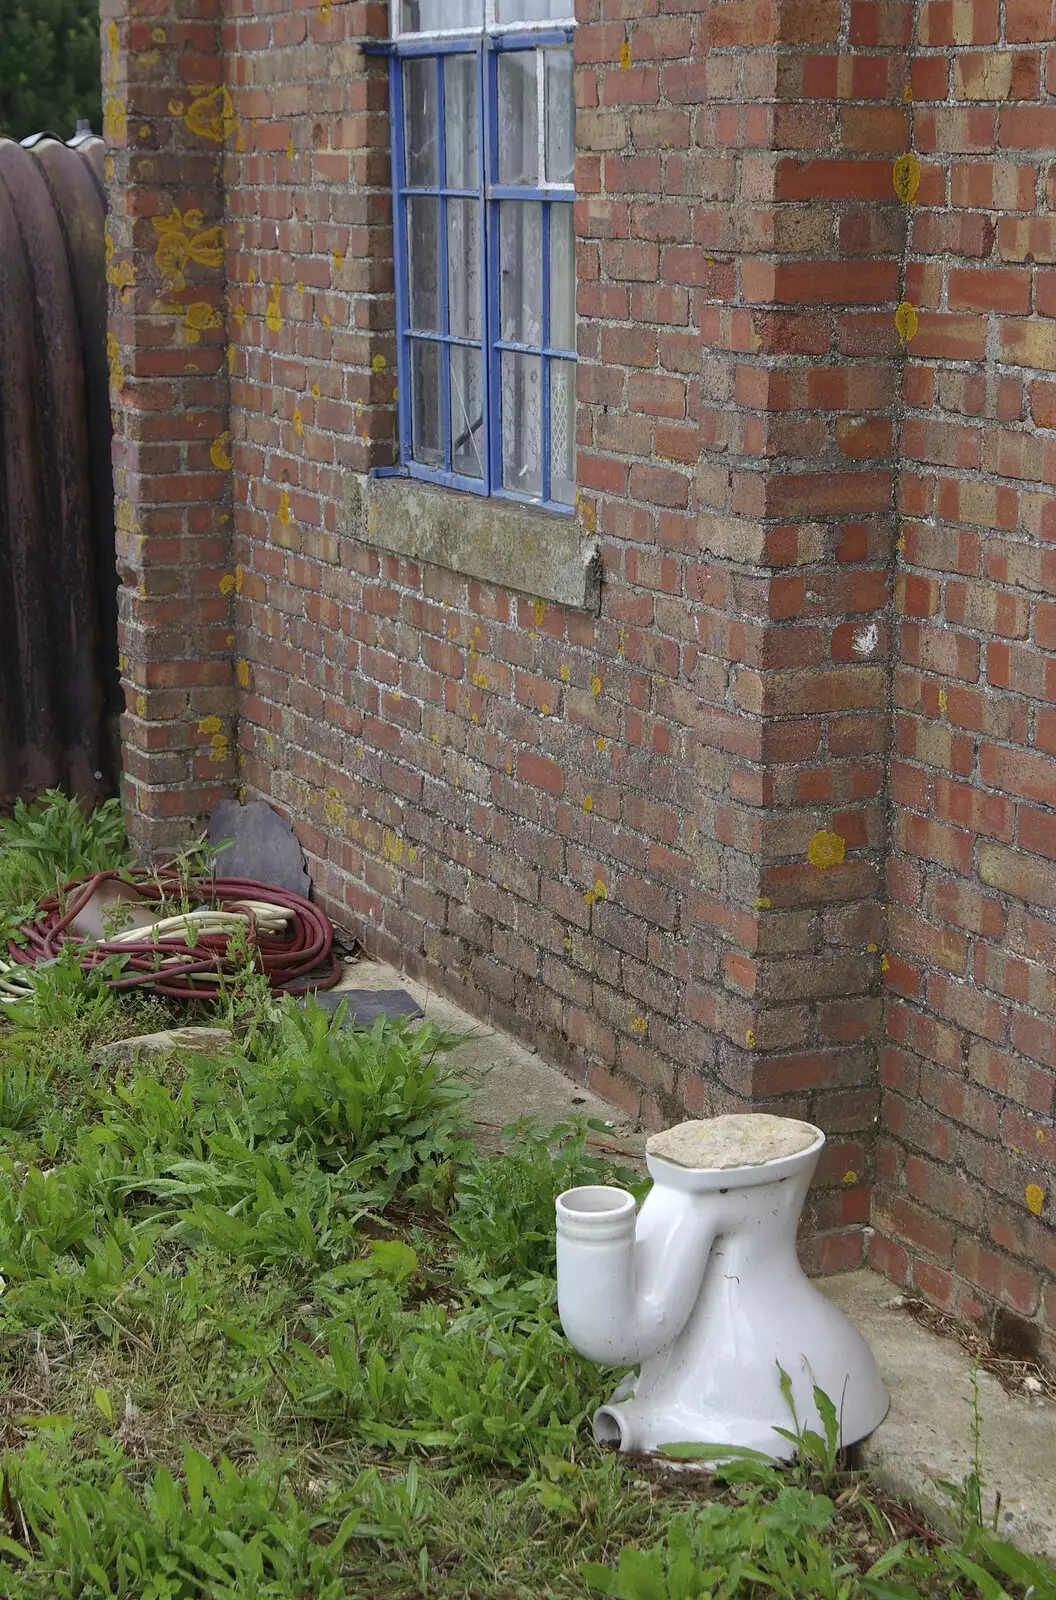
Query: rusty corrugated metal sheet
x,y
58,584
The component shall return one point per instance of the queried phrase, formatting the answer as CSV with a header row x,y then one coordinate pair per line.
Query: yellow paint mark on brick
x,y
242,672
210,725
625,55
1034,1195
595,685
906,322
905,175
588,803
220,451
826,850
273,315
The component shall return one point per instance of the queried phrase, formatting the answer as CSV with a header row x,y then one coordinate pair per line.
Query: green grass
x,y
271,1327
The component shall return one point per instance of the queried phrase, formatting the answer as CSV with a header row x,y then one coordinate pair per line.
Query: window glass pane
x,y
562,278
421,117
522,425
435,16
521,271
461,122
563,432
467,411
518,117
463,268
560,117
535,11
423,261
427,445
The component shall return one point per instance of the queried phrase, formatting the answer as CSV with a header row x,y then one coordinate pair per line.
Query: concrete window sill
x,y
535,553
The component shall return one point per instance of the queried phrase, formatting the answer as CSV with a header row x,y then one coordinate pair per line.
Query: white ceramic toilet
x,y
703,1290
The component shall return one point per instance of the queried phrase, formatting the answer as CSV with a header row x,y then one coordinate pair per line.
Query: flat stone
x,y
365,1006
191,1041
717,1144
264,847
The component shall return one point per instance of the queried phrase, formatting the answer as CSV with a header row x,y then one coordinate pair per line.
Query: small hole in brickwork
x,y
1015,1337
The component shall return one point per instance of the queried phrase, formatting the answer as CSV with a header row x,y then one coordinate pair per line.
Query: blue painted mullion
x,y
485,273
494,324
544,363
445,320
399,219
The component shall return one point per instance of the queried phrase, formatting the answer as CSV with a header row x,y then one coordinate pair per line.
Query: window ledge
x,y
536,553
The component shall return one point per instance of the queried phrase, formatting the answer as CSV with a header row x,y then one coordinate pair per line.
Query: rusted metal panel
x,y
57,574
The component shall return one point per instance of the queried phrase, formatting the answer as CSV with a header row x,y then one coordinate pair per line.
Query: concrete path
x,y
927,1432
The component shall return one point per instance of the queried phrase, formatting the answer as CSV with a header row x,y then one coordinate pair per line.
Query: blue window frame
x,y
483,150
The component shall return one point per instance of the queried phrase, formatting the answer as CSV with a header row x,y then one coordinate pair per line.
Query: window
x,y
483,119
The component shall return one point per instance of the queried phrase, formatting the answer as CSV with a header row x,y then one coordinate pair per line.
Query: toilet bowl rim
x,y
723,1178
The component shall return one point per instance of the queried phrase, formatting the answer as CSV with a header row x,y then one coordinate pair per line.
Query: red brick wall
x,y
652,840
965,1209
164,121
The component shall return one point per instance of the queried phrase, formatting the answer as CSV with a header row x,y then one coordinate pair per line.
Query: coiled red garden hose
x,y
301,958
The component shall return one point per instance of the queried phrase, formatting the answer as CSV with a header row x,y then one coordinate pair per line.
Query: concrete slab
x,y
927,1432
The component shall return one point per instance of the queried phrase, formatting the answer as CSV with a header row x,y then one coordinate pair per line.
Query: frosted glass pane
x,y
461,122
423,261
535,11
427,445
521,271
518,118
562,278
467,411
436,16
563,432
522,423
421,119
463,268
560,117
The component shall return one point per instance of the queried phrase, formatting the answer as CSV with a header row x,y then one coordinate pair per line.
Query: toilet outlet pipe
x,y
627,1282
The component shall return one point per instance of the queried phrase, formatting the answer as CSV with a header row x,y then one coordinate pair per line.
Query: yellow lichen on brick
x,y
905,175
285,514
595,685
906,321
1034,1195
210,725
639,1026
588,803
242,672
220,451
826,850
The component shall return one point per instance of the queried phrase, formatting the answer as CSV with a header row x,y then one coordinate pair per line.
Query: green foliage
x,y
45,844
269,1326
51,74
